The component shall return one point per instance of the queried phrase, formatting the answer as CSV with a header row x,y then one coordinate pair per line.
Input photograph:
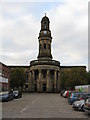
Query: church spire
x,y
45,14
45,39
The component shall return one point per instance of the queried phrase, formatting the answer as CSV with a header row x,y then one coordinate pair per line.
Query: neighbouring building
x,y
4,77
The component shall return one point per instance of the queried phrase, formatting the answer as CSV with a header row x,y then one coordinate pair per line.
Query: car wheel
x,y
8,99
82,108
20,96
88,112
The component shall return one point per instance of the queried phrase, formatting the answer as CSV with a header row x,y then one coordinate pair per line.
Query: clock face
x,y
44,32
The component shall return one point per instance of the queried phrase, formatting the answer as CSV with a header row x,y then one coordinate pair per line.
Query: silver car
x,y
87,106
78,105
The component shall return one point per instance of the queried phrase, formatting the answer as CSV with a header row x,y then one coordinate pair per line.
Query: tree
x,y
88,77
17,78
72,77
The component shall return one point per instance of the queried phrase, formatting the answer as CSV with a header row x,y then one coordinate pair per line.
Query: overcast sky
x,y
20,26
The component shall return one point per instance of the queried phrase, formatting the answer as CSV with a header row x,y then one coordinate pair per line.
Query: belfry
x,y
45,40
44,74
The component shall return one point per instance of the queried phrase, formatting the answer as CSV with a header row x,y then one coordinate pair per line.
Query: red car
x,y
67,94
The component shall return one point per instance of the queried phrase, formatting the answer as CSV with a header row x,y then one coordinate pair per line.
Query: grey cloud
x,y
68,24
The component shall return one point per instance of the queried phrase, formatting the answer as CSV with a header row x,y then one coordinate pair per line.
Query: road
x,y
40,106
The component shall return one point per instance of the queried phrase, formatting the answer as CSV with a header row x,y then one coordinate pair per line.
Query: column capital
x,y
40,70
55,71
32,71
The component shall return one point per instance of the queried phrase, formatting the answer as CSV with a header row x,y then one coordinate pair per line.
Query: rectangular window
x,y
0,72
44,45
40,46
48,46
3,72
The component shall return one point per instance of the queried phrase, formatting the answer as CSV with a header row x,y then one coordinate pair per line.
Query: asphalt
x,y
43,105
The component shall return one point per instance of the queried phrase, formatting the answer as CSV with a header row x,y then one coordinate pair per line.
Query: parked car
x,y
7,96
61,93
87,106
17,94
79,105
67,94
73,96
64,94
83,96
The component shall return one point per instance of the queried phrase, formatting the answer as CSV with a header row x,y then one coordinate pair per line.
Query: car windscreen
x,y
5,94
89,100
88,95
0,94
15,92
77,94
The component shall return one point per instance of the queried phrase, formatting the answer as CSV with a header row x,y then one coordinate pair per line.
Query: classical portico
x,y
44,73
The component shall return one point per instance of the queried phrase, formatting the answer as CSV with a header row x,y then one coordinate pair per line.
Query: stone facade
x,y
44,78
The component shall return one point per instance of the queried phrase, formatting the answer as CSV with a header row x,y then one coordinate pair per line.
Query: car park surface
x,y
43,105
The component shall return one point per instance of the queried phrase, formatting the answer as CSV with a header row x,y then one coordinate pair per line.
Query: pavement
x,y
43,105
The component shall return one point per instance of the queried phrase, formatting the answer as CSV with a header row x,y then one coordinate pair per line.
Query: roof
x,y
3,64
19,66
45,18
72,66
27,66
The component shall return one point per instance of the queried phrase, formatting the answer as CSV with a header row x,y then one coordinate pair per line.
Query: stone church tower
x,y
44,73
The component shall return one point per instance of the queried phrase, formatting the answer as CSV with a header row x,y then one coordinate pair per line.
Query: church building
x,y
44,72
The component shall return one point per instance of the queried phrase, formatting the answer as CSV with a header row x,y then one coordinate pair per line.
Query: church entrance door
x,y
35,88
44,87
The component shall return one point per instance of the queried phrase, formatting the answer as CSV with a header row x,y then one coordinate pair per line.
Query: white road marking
x,y
25,108
29,105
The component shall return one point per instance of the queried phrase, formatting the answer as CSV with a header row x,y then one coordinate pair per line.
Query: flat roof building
x,y
4,77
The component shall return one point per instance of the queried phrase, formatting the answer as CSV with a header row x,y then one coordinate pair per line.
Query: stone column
x,y
41,87
33,79
48,81
38,81
30,82
55,80
58,81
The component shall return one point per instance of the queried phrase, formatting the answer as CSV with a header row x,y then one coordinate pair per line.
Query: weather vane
x,y
45,14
